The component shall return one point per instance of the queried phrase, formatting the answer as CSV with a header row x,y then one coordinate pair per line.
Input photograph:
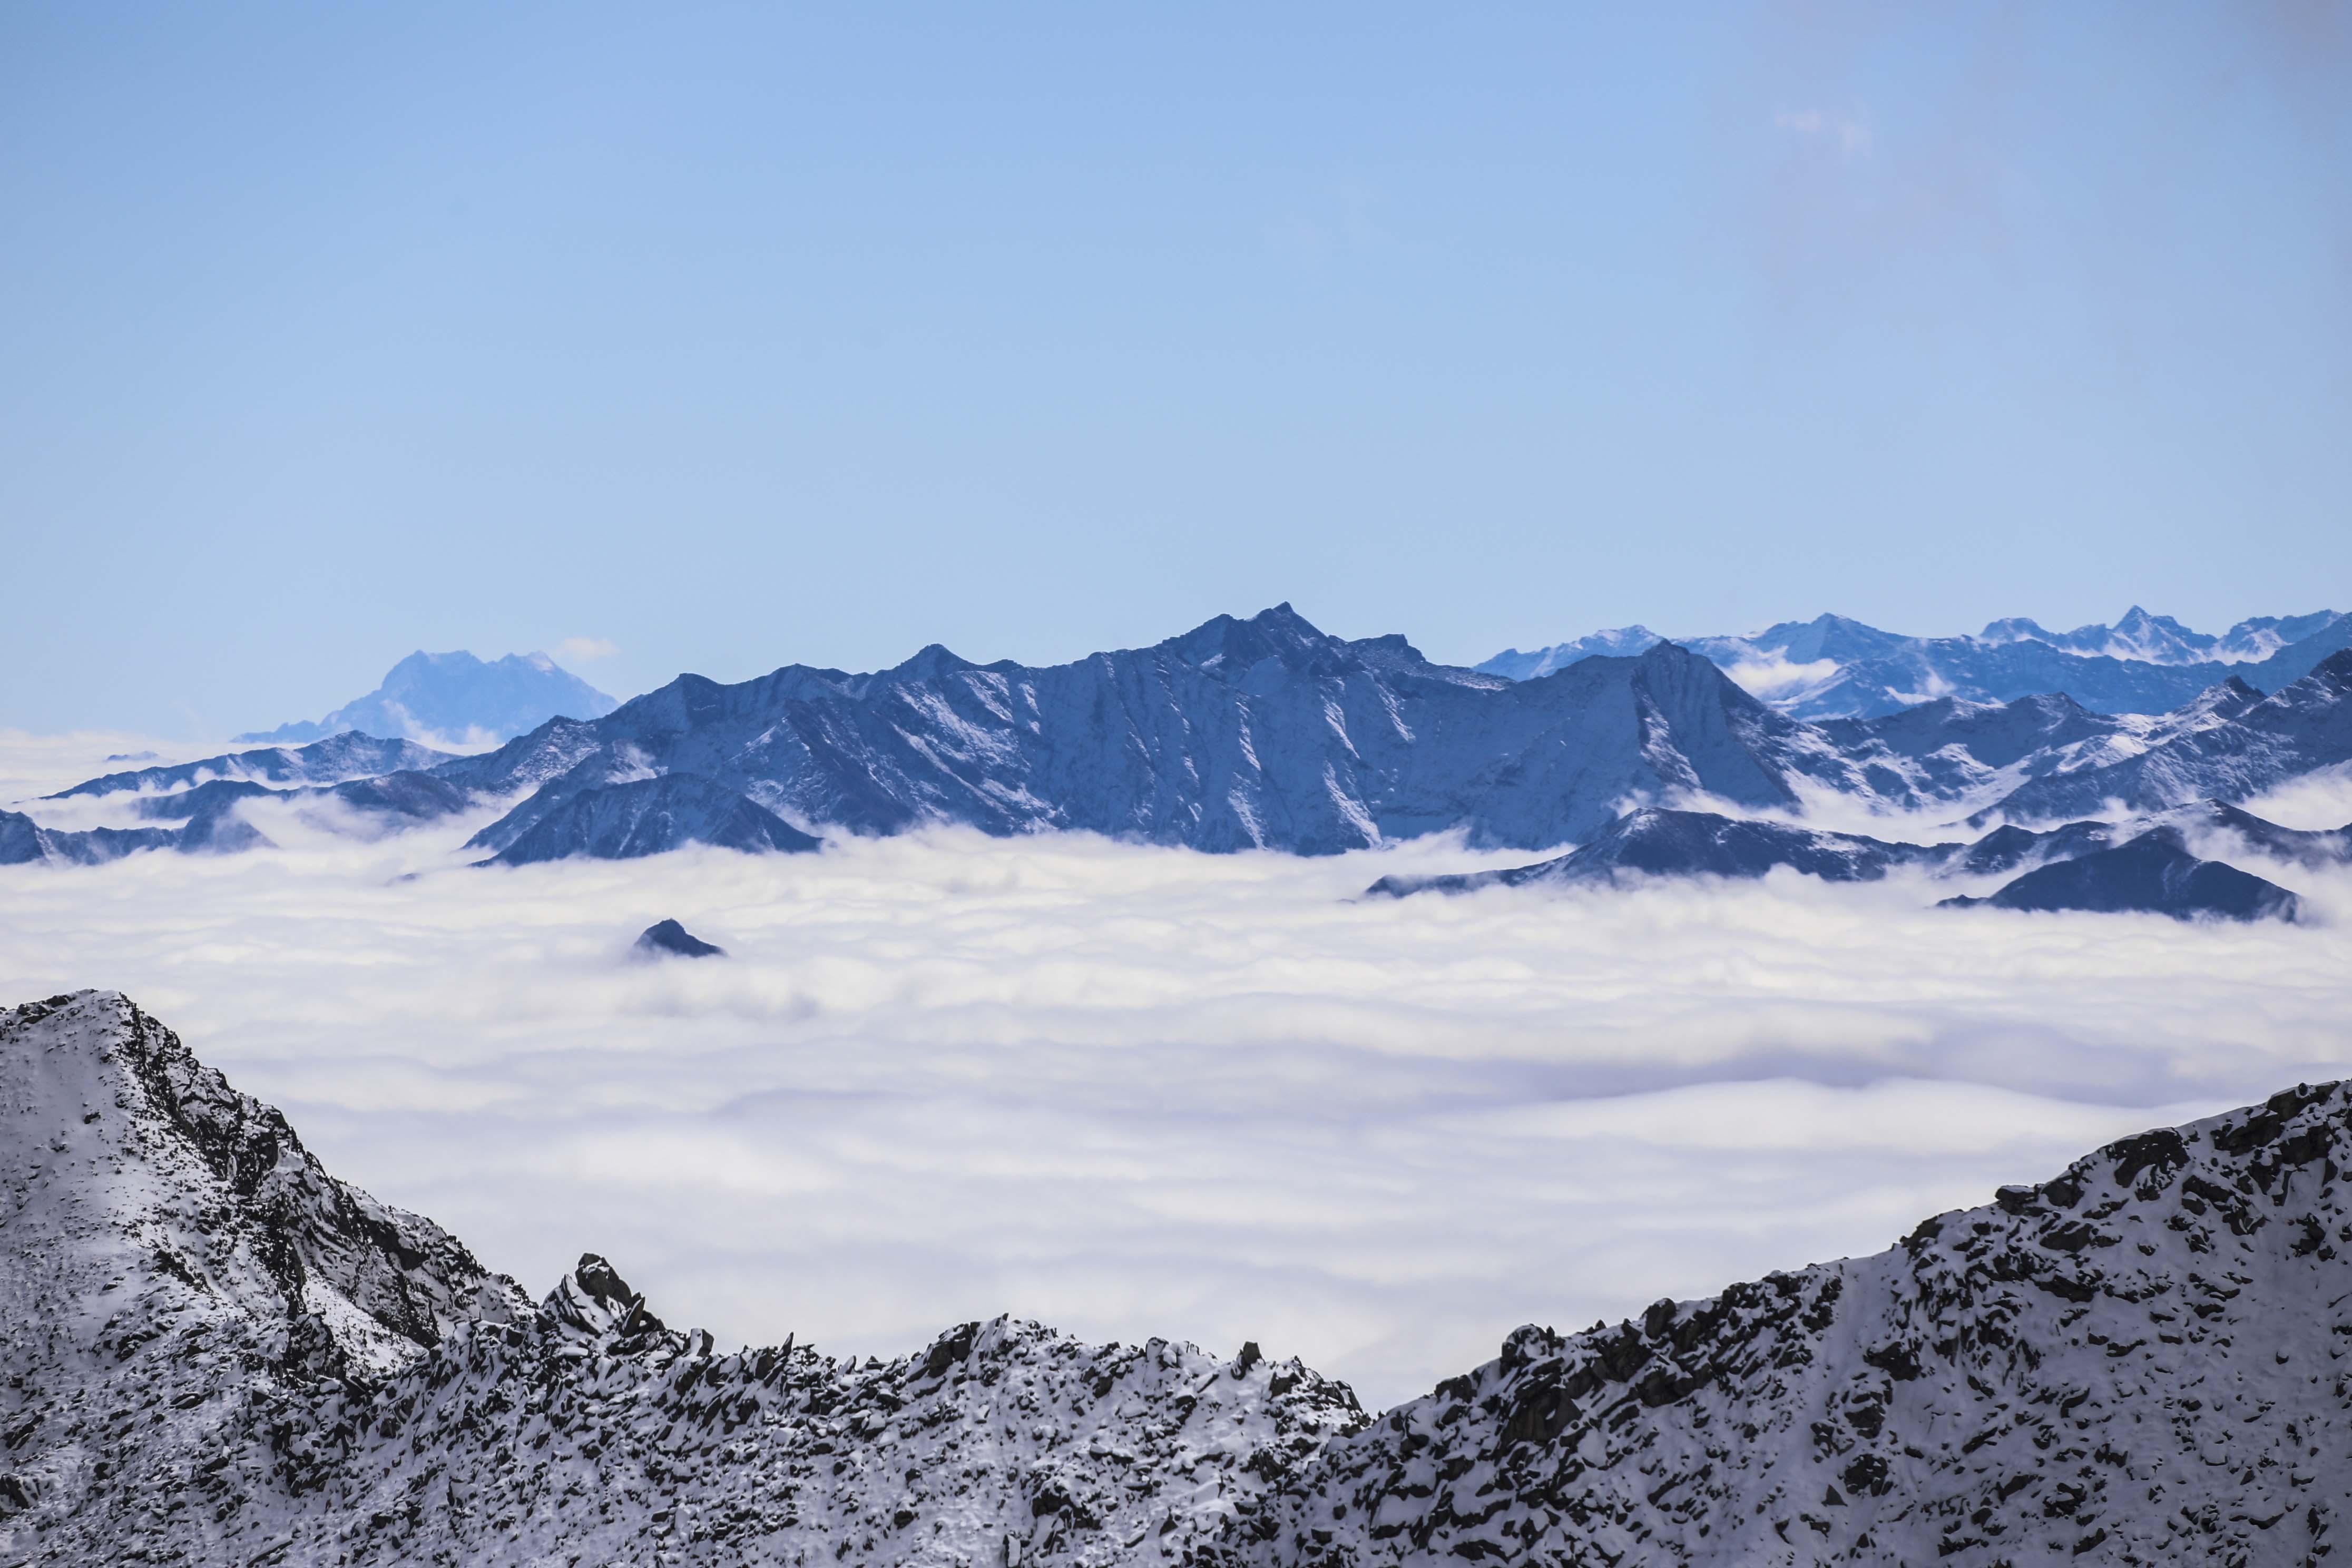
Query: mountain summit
x,y
455,699
1238,734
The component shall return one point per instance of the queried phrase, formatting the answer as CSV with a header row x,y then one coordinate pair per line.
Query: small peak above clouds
x,y
459,702
668,939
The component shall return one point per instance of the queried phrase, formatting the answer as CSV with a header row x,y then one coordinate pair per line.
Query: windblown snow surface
x,y
218,1353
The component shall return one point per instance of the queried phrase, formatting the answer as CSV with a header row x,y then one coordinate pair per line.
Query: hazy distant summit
x,y
456,699
1833,667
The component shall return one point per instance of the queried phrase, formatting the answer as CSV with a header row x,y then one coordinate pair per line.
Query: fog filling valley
x,y
1134,1091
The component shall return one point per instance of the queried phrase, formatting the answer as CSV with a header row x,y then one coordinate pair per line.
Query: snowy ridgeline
x,y
1835,668
218,1354
1265,733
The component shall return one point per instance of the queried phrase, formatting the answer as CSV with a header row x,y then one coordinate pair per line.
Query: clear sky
x,y
733,336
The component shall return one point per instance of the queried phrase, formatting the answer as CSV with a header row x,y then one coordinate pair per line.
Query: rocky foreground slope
x,y
216,1352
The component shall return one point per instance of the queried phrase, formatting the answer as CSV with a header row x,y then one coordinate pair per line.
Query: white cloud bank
x,y
1133,1090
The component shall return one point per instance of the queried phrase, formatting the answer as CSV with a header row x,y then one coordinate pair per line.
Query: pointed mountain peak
x,y
593,1300
930,663
2336,670
603,1282
1278,632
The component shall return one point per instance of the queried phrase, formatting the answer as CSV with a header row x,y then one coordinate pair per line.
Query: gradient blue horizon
x,y
733,337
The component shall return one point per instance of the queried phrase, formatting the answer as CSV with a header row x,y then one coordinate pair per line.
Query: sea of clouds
x,y
1135,1092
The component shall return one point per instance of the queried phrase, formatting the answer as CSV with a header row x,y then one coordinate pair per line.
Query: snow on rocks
x,y
216,1352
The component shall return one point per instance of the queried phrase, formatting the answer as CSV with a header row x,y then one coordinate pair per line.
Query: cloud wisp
x,y
1848,133
1133,1090
583,650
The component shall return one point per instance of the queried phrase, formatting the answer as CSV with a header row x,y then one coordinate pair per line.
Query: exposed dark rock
x,y
667,938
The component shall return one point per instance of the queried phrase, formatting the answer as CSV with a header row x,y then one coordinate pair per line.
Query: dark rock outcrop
x,y
668,939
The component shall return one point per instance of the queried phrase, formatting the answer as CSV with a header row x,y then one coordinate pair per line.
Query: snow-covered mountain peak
x,y
218,1353
457,700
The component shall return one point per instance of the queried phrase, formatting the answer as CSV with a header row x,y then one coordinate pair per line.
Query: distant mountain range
x,y
221,1353
2151,866
456,700
1833,667
1240,734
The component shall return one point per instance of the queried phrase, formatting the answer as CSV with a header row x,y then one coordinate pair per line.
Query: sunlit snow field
x,y
1132,1090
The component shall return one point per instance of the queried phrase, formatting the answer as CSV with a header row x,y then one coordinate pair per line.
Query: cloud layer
x,y
1134,1091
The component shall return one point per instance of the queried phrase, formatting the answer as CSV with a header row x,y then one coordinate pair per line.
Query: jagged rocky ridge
x,y
1240,734
1268,733
1832,667
218,1353
457,699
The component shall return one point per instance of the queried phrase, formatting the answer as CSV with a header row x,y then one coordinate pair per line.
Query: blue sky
x,y
736,336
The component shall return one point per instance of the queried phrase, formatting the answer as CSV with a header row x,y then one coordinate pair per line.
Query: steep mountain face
x,y
647,816
1239,734
1832,667
2255,747
2142,1361
457,698
349,755
177,1276
218,1354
